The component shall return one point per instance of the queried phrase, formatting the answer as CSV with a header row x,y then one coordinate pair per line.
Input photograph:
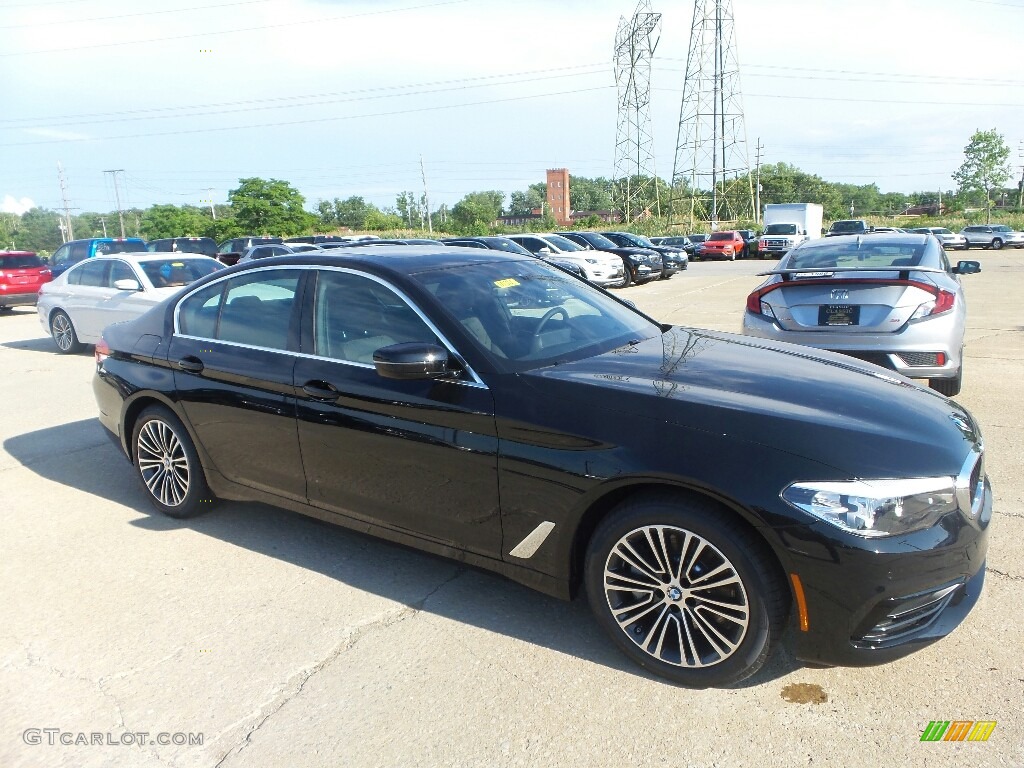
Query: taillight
x,y
102,351
944,302
754,299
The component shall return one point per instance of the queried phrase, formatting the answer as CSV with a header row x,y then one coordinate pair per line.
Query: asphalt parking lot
x,y
275,639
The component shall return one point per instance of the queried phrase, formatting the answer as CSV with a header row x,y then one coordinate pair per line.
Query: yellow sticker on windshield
x,y
508,282
178,264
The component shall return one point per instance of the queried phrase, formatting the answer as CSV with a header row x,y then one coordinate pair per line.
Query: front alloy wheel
x,y
997,244
168,465
685,590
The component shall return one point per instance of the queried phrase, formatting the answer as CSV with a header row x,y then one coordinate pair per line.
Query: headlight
x,y
591,261
876,507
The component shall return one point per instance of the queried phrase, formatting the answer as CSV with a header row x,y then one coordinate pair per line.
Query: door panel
x,y
418,456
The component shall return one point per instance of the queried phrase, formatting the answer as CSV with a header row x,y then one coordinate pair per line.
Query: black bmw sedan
x,y
704,489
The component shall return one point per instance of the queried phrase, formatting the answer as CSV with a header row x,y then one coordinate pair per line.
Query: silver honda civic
x,y
893,300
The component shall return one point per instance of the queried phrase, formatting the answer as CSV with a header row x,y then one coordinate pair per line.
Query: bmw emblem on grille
x,y
840,294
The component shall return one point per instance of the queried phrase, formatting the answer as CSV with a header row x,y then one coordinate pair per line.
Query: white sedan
x,y
76,306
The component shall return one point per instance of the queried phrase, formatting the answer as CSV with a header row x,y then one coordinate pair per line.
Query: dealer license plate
x,y
838,314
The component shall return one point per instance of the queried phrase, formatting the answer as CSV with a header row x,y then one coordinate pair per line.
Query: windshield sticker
x,y
508,282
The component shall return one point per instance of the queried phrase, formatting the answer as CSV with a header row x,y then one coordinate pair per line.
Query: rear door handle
x,y
321,390
191,364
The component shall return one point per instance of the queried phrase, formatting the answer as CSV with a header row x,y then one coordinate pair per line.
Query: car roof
x,y
399,259
148,256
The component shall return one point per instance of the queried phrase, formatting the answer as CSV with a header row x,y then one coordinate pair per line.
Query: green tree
x,y
379,221
352,212
476,212
39,230
269,206
8,229
525,203
590,194
985,167
173,221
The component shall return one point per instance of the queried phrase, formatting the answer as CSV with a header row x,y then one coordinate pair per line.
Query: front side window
x,y
254,309
121,271
61,254
355,316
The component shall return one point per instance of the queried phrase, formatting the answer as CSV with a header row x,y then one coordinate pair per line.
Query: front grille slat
x,y
908,616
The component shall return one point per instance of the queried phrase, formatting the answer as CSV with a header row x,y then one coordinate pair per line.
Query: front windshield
x,y
780,229
941,231
174,273
1001,228
599,241
563,243
529,315
638,240
504,244
847,226
868,254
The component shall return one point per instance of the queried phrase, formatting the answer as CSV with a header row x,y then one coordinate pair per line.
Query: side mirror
x,y
967,268
546,251
411,360
128,284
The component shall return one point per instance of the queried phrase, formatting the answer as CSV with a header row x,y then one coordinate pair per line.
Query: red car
x,y
22,274
723,245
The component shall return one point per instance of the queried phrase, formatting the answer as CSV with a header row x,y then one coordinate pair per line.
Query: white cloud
x,y
15,205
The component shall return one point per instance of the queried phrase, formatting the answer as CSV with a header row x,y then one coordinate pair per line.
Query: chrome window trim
x,y
476,381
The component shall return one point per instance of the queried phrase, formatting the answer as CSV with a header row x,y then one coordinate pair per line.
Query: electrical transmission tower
x,y
711,176
635,179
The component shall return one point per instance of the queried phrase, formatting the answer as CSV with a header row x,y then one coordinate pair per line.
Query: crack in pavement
x,y
1005,575
296,682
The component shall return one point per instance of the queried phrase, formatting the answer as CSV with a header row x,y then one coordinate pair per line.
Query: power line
x,y
211,33
190,131
51,22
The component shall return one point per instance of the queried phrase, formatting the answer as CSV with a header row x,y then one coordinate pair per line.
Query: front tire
x,y
997,244
62,331
168,464
685,590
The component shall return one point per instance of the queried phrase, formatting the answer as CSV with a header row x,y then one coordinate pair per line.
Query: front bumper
x,y
873,601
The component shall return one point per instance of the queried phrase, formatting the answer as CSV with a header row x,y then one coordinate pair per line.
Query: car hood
x,y
835,410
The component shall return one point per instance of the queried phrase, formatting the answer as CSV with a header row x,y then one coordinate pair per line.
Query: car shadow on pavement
x,y
361,561
44,344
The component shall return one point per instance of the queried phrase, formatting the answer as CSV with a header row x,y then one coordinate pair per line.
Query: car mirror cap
x,y
127,284
411,360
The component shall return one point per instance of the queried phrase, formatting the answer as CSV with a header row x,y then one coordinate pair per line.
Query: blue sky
x,y
342,98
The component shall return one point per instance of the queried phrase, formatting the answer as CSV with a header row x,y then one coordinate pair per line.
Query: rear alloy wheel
x,y
684,590
997,244
168,464
949,387
63,333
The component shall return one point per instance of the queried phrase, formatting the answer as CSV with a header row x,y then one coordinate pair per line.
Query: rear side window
x,y
254,309
94,274
19,261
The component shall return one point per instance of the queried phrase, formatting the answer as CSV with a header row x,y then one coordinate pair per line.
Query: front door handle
x,y
321,390
191,364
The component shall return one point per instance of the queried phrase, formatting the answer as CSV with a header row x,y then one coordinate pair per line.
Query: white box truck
x,y
786,225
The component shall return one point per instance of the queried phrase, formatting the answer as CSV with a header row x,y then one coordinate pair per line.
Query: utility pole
x,y
67,209
757,186
1020,192
213,211
117,196
426,196
103,223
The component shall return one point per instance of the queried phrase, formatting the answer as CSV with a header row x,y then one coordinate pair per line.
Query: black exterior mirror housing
x,y
967,268
411,360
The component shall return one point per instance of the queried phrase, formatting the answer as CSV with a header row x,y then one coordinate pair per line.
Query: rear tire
x,y
949,387
62,331
167,463
643,580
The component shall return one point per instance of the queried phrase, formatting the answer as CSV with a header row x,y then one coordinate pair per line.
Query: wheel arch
x,y
600,508
135,406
